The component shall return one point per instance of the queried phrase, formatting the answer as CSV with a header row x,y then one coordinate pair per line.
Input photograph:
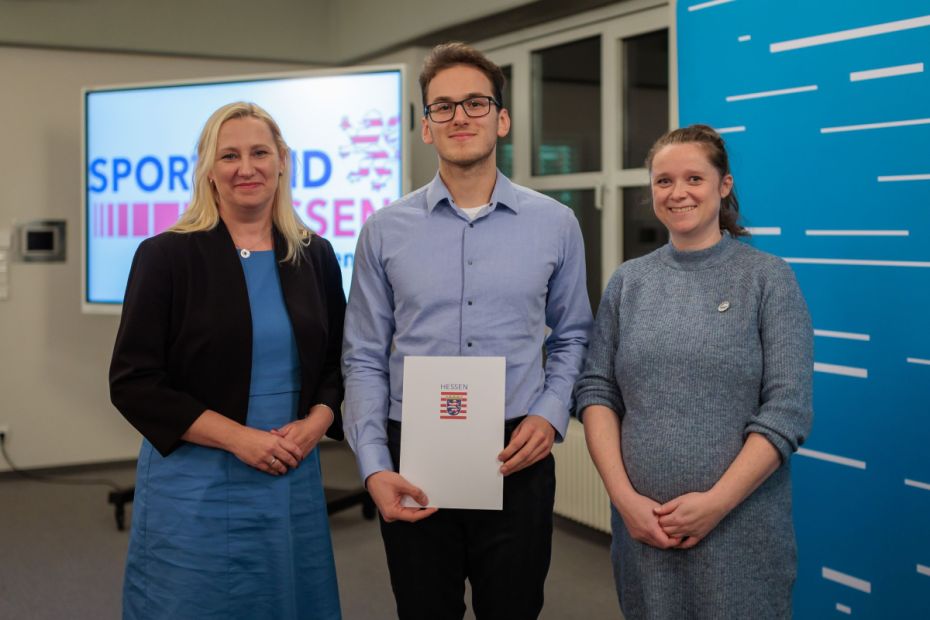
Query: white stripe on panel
x,y
764,230
707,5
826,333
744,37
917,484
773,93
735,129
858,262
852,33
923,570
903,177
831,458
856,233
917,360
883,125
874,74
844,609
846,371
847,580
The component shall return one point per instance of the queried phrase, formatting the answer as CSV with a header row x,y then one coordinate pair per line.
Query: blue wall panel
x,y
823,190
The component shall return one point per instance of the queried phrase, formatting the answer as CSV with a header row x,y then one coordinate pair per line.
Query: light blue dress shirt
x,y
430,281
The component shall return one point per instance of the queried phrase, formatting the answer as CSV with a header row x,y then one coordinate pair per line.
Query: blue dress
x,y
214,538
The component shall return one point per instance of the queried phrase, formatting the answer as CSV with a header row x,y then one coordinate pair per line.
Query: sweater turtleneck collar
x,y
696,260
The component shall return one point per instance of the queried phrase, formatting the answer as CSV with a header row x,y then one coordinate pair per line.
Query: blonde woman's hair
x,y
203,211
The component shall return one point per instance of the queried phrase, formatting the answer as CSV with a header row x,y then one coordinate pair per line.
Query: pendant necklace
x,y
244,252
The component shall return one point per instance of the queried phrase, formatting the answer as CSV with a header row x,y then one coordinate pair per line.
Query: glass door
x,y
587,102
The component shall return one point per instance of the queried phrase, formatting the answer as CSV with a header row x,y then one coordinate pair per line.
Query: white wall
x,y
273,29
365,26
54,359
319,31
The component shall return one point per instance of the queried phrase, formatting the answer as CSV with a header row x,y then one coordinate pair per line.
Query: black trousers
x,y
504,554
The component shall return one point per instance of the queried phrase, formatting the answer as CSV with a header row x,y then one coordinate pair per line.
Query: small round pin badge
x,y
724,306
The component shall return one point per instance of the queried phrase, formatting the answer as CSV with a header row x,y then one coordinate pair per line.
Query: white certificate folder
x,y
453,430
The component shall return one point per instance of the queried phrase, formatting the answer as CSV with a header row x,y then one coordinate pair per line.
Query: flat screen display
x,y
344,129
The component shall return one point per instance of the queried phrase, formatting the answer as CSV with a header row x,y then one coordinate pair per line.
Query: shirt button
x,y
469,262
469,344
469,302
471,225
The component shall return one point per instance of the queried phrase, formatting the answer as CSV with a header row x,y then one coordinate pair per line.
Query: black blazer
x,y
184,343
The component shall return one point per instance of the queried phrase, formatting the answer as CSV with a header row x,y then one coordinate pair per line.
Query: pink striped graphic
x,y
140,219
123,222
166,214
109,219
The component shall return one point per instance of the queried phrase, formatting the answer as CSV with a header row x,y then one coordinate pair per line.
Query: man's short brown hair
x,y
455,53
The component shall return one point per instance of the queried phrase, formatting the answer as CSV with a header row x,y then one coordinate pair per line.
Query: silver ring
x,y
274,460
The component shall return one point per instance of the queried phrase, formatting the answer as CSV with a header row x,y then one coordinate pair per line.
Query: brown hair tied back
x,y
716,150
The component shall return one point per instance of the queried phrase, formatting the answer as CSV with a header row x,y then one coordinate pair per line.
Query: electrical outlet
x,y
4,431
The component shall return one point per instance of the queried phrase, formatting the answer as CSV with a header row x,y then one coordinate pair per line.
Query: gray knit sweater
x,y
694,350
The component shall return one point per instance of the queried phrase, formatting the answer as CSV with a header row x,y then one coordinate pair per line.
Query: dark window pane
x,y
642,231
581,202
645,94
567,108
505,144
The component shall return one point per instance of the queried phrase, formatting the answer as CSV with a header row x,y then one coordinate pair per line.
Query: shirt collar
x,y
504,194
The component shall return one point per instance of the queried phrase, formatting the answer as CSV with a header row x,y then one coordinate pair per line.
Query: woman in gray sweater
x,y
695,393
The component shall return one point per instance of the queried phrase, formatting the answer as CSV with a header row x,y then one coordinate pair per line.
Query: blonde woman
x,y
227,362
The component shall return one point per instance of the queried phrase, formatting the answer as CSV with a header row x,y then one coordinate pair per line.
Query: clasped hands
x,y
279,450
680,523
529,443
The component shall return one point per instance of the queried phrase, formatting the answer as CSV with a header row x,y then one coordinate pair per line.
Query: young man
x,y
469,265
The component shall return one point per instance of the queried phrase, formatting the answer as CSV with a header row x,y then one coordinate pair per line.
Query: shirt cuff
x,y
373,458
552,409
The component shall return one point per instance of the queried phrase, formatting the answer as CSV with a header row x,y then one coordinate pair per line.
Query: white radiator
x,y
579,492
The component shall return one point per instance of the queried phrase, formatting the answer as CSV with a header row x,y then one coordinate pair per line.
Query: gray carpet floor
x,y
61,555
